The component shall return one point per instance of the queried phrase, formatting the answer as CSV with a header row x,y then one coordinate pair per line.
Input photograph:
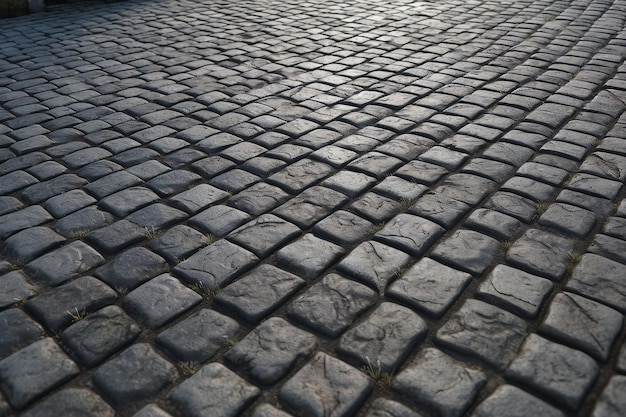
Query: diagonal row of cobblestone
x,y
302,209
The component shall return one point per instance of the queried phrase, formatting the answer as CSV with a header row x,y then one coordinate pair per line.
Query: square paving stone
x,y
375,164
198,337
235,180
156,216
72,402
601,206
111,183
560,372
440,208
300,175
467,250
494,223
16,221
513,205
541,253
615,227
151,410
126,201
600,279
568,219
83,220
216,265
517,291
609,247
14,288
137,374
422,172
18,330
131,268
429,286
440,383
386,408
178,243
264,234
467,188
597,186
213,391
325,386
101,334
583,324
409,233
331,305
309,256
198,198
374,264
219,220
385,338
258,199
258,293
173,182
69,202
529,188
34,370
160,300
349,183
612,402
484,331
510,401
116,236
271,350
343,227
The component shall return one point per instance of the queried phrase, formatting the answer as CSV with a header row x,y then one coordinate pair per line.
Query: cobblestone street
x,y
266,208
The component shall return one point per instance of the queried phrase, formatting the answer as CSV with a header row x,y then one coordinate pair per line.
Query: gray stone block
x,y
409,233
600,279
612,402
131,268
510,401
18,331
467,250
309,256
65,263
72,402
264,234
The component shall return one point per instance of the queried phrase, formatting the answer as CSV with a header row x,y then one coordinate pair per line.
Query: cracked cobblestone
x,y
303,209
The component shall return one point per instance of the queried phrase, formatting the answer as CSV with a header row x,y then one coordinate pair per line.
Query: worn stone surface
x,y
308,256
611,402
265,234
131,268
409,233
14,288
384,338
64,263
510,401
441,383
198,337
332,305
100,334
484,331
583,324
213,390
255,295
325,386
562,373
18,331
31,372
72,402
467,250
269,352
388,408
136,374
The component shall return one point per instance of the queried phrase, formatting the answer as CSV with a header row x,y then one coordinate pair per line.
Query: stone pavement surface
x,y
314,209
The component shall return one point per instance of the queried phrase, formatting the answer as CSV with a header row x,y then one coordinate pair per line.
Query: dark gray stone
x,y
300,175
14,288
494,170
258,199
343,227
467,188
446,158
609,247
600,279
374,264
429,286
510,401
42,191
612,402
36,369
422,172
264,234
513,205
63,204
331,305
384,338
219,220
409,233
25,218
213,391
440,383
375,207
151,410
271,350
498,225
334,155
484,331
160,300
137,374
156,216
325,386
597,186
30,243
604,164
439,208
83,220
583,324
131,268
560,372
111,183
116,236
545,173
387,408
542,253
65,263
198,337
235,180
178,243
529,188
258,293
514,290
14,181
615,227
309,256
9,204
127,201
467,250
72,402
311,206
101,334
173,182
216,265
375,164
59,307
568,219
601,206
349,183
266,410
18,331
